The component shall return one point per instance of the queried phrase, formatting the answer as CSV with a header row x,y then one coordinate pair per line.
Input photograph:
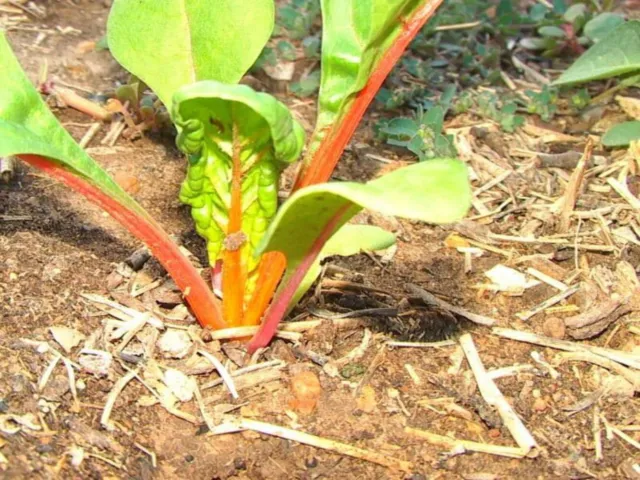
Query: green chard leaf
x,y
28,129
207,114
618,53
355,35
27,126
436,191
172,43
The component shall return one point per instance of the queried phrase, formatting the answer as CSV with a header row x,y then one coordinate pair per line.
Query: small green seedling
x,y
423,134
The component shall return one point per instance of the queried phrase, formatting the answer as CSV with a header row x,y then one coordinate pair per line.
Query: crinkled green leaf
x,y
618,53
205,114
349,240
171,43
27,126
622,134
355,35
436,191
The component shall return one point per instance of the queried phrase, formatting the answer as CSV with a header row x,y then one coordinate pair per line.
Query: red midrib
x,y
203,303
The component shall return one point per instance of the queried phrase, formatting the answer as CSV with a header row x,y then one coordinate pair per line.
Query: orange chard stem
x,y
234,272
270,270
325,158
203,303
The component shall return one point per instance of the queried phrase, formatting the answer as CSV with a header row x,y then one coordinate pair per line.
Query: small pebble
x,y
306,390
311,462
494,433
539,405
175,343
239,463
554,327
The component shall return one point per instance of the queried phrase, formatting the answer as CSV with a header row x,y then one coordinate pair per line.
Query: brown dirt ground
x,y
67,247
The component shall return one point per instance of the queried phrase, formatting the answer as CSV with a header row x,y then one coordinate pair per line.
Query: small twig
x,y
242,371
113,395
430,299
624,192
573,188
152,454
47,373
624,358
443,343
597,434
288,330
630,376
239,424
108,461
87,137
224,374
466,445
243,332
620,433
203,408
509,371
135,327
526,315
547,279
493,396
373,366
72,384
458,26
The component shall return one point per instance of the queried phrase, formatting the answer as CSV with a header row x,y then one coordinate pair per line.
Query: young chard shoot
x,y
237,142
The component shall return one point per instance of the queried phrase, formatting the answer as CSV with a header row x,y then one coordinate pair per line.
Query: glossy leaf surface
x,y
435,191
29,130
172,43
361,43
27,126
355,34
616,54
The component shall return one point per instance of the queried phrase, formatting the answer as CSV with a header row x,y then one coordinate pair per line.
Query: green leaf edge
x,y
369,196
21,99
612,137
287,135
600,49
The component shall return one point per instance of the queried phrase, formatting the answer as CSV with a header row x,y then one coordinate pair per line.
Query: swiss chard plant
x,y
237,142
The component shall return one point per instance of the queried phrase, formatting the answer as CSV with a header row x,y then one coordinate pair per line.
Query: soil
x,y
55,246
